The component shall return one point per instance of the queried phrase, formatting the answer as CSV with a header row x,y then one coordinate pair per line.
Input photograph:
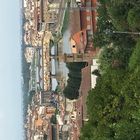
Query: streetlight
x,y
126,32
108,31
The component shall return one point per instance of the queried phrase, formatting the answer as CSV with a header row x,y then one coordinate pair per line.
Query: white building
x,y
94,66
29,54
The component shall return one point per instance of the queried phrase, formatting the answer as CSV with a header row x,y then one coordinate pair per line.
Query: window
x,y
79,113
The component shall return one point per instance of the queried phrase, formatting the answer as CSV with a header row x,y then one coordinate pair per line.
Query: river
x,y
60,67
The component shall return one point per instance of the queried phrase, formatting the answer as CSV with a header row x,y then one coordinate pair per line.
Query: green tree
x,y
71,93
31,94
114,105
101,38
118,15
75,66
135,58
134,18
116,55
75,74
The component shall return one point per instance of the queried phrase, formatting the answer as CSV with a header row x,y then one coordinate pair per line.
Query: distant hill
x,y
25,72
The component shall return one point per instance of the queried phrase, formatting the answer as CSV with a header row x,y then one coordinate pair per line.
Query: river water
x,y
60,67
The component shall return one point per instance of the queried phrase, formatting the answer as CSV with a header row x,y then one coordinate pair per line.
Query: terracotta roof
x,y
80,39
39,122
79,22
77,38
75,25
36,17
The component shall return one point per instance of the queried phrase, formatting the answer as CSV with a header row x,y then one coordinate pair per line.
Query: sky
x,y
10,71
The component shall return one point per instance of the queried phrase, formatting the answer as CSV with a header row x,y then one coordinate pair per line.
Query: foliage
x,y
104,104
96,72
53,119
114,104
116,55
75,66
31,95
45,137
101,38
116,15
58,89
71,91
134,18
113,107
135,58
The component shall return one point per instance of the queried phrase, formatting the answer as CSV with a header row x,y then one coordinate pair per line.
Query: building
x,y
83,27
29,54
34,27
52,15
88,82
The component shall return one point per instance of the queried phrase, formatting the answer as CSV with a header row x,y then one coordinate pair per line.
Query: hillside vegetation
x,y
114,104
